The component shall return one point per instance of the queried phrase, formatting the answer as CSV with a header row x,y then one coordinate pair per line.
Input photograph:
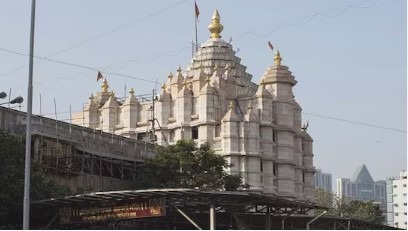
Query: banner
x,y
145,208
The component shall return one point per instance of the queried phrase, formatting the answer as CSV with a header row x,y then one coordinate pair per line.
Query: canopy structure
x,y
177,209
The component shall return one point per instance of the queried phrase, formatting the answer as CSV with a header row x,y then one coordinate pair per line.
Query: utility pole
x,y
152,120
27,173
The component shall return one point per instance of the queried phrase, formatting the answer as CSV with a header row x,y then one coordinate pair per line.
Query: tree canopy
x,y
12,158
345,207
184,165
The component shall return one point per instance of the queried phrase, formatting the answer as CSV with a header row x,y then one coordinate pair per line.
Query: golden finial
x,y
277,59
112,94
91,97
105,85
179,69
132,91
170,75
215,27
250,106
164,86
231,105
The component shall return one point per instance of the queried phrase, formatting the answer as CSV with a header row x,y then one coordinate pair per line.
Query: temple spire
x,y
277,58
215,27
105,85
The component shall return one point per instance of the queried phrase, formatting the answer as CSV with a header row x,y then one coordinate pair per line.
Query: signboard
x,y
139,209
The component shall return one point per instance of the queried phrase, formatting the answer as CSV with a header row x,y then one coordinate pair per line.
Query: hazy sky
x,y
349,58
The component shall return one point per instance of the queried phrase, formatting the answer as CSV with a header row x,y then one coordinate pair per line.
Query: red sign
x,y
147,208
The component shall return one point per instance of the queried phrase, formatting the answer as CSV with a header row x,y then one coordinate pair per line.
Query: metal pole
x,y
187,217
27,175
268,219
212,217
196,34
310,222
287,216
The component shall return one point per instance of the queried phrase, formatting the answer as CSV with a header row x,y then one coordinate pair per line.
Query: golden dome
x,y
215,27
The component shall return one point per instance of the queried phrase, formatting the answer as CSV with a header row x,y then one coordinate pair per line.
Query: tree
x,y
184,165
12,158
364,210
347,208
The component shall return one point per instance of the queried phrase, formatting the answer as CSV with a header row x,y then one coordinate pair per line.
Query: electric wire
x,y
80,66
307,19
103,34
355,122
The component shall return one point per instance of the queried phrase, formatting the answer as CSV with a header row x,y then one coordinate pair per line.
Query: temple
x,y
256,127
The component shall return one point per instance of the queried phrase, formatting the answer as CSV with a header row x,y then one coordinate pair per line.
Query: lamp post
x,y
18,99
3,95
27,170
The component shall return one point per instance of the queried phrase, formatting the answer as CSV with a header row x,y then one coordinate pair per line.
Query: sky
x,y
349,58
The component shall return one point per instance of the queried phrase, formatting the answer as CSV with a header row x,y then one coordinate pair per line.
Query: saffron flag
x,y
197,12
270,45
99,76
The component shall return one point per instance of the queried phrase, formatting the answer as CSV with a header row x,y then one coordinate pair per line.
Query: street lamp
x,y
18,99
3,95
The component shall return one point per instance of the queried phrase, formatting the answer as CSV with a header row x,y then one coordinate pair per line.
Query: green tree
x,y
364,210
184,165
347,208
12,158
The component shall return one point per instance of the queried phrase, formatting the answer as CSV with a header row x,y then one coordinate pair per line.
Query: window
x,y
396,214
275,169
395,195
303,177
395,186
194,133
405,185
405,204
217,130
171,136
274,135
405,213
404,194
261,165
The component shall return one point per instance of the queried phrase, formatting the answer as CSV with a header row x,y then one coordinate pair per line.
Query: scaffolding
x,y
84,159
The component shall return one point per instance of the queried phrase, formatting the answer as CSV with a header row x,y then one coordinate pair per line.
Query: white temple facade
x,y
257,128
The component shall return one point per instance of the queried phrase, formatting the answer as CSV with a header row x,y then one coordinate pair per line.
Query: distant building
x,y
363,187
397,201
323,180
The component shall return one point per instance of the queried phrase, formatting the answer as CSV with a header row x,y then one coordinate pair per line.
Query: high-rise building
x,y
256,127
397,201
323,180
362,187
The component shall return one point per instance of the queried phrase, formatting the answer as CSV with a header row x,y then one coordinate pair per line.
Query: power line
x,y
356,122
80,66
101,35
308,19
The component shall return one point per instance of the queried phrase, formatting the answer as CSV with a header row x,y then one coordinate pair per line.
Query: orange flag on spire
x,y
197,12
99,76
270,45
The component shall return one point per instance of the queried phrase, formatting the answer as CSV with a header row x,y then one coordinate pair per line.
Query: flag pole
x,y
196,37
196,13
